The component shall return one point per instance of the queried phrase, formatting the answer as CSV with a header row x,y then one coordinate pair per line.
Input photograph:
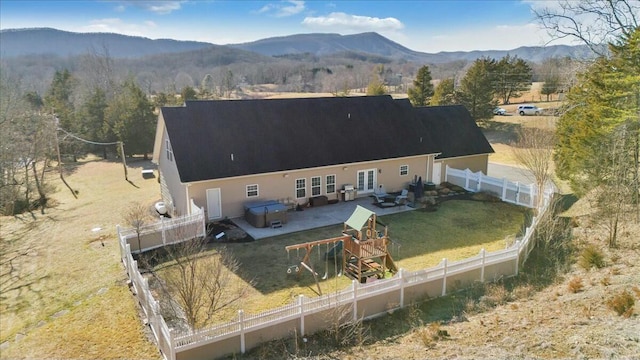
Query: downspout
x,y
186,189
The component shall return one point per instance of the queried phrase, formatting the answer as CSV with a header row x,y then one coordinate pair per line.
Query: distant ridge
x,y
38,41
18,42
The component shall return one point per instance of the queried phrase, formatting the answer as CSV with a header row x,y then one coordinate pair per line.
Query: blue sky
x,y
428,26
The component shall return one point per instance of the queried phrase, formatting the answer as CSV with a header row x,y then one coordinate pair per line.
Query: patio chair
x,y
402,198
380,193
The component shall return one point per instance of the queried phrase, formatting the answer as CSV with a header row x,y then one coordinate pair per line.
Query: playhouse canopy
x,y
359,218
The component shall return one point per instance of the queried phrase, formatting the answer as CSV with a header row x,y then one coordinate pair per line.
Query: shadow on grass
x,y
501,132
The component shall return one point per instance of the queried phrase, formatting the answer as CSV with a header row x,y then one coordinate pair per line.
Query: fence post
x,y
532,188
401,277
300,303
479,186
241,321
444,278
517,193
466,178
204,223
354,286
505,183
446,173
484,259
164,236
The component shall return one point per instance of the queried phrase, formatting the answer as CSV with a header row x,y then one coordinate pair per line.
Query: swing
x,y
326,264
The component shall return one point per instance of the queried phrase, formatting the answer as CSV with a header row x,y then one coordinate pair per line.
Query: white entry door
x,y
366,180
437,173
214,204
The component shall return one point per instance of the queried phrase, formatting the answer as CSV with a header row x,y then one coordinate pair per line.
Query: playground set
x,y
362,250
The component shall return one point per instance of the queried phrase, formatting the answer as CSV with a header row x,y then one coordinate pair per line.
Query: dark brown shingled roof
x,y
226,138
455,131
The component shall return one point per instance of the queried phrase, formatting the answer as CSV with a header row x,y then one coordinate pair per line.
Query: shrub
x,y
590,257
622,304
431,333
575,285
495,294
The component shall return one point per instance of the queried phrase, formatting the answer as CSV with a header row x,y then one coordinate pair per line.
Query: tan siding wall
x,y
174,196
281,186
474,163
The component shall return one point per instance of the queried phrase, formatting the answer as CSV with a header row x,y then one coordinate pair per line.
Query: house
x,y
226,153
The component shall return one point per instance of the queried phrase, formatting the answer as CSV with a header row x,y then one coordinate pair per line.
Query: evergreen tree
x,y
422,91
92,119
476,89
58,100
512,76
130,115
606,98
444,93
376,87
550,86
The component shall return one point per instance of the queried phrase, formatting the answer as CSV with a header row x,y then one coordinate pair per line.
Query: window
x,y
301,188
169,150
252,190
404,170
331,184
316,186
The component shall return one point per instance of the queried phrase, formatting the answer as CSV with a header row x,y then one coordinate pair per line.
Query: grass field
x,y
459,229
66,295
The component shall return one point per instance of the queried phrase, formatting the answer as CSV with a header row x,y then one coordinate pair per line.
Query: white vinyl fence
x,y
165,231
308,315
508,191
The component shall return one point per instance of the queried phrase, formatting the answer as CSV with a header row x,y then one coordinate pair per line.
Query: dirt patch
x,y
225,231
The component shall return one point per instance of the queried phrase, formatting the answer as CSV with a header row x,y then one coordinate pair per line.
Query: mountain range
x,y
46,41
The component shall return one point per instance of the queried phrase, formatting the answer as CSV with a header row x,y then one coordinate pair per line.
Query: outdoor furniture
x,y
380,193
263,213
318,200
402,198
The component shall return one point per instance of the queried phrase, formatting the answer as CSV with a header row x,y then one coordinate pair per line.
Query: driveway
x,y
512,173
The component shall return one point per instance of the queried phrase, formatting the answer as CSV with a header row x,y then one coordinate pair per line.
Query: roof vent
x,y
349,116
231,156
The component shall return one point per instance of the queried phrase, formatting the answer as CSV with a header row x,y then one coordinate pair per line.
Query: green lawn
x,y
457,230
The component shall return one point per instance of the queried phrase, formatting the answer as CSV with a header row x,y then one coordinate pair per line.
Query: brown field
x,y
67,295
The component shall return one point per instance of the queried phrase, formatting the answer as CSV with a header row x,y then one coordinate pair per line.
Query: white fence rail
x,y
362,300
508,191
165,231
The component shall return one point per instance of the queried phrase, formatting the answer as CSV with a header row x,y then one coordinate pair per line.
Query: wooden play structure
x,y
364,249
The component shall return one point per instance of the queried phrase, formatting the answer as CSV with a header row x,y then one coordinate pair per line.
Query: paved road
x,y
510,172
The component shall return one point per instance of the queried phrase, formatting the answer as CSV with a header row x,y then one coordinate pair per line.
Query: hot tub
x,y
263,213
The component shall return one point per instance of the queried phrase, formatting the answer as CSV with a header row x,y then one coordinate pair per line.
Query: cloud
x,y
283,9
498,37
337,21
160,7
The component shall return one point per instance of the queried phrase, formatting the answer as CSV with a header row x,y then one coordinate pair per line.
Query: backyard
x,y
458,229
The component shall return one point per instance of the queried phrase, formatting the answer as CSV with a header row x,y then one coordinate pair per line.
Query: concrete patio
x,y
316,217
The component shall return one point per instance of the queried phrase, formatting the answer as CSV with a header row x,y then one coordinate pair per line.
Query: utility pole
x,y
60,160
124,160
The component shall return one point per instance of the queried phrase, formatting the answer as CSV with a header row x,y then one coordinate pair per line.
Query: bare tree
x,y
534,150
200,280
615,195
136,216
592,22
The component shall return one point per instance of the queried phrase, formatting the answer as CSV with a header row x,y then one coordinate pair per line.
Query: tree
x,y
376,87
512,76
200,280
58,101
130,116
476,89
444,93
551,85
422,91
188,93
593,22
136,216
92,118
534,150
599,133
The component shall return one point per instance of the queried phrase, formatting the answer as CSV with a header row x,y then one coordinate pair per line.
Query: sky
x,y
421,25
